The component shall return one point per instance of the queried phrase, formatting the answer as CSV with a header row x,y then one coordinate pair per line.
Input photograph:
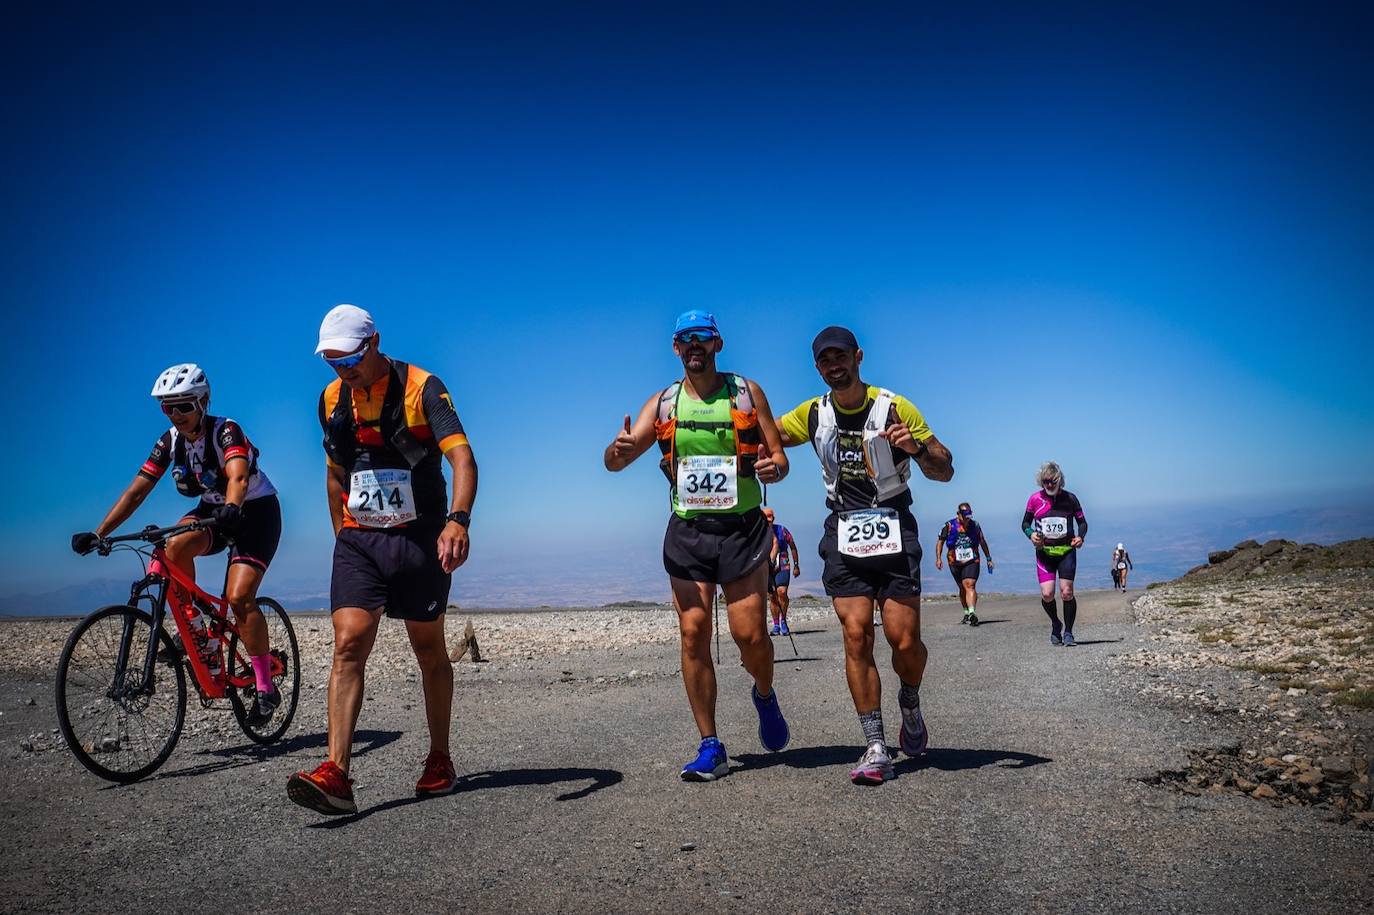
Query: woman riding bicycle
x,y
232,491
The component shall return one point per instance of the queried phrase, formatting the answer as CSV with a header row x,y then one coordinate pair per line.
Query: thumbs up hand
x,y
765,468
897,432
624,444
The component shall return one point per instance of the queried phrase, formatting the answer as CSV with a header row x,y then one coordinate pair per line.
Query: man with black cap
x,y
718,442
866,438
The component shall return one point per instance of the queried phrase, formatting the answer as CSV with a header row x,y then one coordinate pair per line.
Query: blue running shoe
x,y
1055,637
711,762
1068,639
776,630
773,732
785,630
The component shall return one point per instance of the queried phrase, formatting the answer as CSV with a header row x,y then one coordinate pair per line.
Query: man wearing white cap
x,y
388,428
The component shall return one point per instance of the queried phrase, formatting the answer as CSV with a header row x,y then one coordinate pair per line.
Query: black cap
x,y
833,336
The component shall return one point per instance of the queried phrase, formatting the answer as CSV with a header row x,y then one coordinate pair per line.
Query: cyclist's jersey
x,y
197,476
961,540
1054,519
365,441
716,440
785,545
855,487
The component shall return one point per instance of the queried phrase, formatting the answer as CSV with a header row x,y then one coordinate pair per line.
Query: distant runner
x,y
389,428
783,568
1049,522
1121,565
718,441
960,540
865,438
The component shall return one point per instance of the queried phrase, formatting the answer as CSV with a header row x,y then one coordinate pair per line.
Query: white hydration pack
x,y
888,476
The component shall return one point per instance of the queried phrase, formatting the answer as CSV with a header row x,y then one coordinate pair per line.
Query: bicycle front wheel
x,y
116,726
281,640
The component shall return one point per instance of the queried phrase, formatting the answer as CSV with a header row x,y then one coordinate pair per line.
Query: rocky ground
x,y
1041,784
1274,643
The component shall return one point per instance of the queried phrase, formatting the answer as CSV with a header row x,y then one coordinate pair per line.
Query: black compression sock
x,y
1050,611
1070,612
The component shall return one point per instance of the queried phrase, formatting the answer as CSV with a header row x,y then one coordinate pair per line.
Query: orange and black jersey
x,y
429,418
197,476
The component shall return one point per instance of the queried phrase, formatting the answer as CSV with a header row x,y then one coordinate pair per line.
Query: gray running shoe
x,y
874,768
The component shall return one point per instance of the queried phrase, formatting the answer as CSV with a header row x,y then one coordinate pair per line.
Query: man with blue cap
x,y
718,443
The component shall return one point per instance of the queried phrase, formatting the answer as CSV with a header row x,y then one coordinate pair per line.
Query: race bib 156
x,y
381,498
707,481
870,532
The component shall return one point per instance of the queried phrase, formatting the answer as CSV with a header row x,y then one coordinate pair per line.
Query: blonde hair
x,y
1051,470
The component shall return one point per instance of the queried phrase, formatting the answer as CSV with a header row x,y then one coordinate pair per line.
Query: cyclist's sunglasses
x,y
179,407
352,359
694,336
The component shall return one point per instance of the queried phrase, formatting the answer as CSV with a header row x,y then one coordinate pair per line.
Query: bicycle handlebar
x,y
156,535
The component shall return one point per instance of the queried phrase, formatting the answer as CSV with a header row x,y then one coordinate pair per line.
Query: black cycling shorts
x,y
716,548
396,568
258,535
965,571
1047,566
893,575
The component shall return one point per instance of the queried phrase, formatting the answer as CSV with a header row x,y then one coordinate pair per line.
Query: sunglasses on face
x,y
966,512
179,407
352,359
694,336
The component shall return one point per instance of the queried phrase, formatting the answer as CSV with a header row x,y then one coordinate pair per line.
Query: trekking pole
x,y
715,612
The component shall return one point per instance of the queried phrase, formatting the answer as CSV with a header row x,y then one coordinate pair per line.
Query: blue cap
x,y
696,319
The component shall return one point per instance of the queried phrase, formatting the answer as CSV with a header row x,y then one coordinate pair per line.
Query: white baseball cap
x,y
345,328
1121,546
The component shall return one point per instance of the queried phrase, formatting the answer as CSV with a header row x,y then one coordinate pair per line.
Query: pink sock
x,y
262,673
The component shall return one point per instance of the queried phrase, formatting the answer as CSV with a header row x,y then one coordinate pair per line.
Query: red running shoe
x,y
438,777
326,790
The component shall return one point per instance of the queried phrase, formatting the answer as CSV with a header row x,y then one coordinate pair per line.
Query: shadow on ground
x,y
249,754
507,778
947,759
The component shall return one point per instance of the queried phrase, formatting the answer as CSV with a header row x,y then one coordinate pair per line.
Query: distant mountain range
x,y
1164,542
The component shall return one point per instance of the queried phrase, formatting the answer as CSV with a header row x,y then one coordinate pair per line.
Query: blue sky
x,y
1139,246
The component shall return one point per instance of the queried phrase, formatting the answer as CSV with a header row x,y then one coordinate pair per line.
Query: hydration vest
x,y
889,477
211,477
744,419
341,438
971,531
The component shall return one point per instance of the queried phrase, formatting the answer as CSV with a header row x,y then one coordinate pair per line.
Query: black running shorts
x,y
258,535
716,548
893,575
397,569
964,571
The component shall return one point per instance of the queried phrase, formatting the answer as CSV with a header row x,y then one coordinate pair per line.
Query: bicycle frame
x,y
166,583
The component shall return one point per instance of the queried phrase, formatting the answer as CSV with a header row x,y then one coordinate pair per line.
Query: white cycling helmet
x,y
184,380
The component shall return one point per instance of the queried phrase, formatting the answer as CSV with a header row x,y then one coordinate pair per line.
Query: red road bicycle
x,y
121,679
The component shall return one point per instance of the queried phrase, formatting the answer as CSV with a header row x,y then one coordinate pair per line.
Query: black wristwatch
x,y
462,518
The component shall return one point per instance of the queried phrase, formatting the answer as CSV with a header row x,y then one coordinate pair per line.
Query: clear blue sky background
x,y
1140,246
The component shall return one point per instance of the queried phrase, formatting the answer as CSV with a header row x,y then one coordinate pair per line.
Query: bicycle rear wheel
x,y
115,727
281,639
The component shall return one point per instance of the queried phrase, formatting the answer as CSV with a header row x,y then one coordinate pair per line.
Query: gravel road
x,y
1032,798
